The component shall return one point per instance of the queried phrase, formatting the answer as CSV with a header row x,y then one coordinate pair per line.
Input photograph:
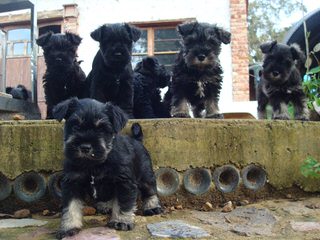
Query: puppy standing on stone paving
x,y
197,72
64,77
149,77
281,81
104,164
111,75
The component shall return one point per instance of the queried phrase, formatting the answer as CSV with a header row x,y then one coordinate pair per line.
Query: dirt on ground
x,y
289,218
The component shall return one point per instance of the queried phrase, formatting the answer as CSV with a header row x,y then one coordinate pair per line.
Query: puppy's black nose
x,y
275,73
85,147
201,57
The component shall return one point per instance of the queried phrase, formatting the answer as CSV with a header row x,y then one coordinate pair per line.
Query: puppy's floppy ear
x,y
44,38
73,38
297,53
64,109
116,116
186,28
98,33
267,46
134,32
223,35
9,89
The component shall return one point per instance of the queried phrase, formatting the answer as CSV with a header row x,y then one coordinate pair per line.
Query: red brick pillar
x,y
240,51
70,18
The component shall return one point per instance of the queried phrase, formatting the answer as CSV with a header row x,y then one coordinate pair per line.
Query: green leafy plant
x,y
310,168
311,86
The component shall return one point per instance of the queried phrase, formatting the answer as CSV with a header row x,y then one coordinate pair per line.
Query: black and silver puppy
x,y
104,164
149,77
281,81
64,77
111,75
19,92
197,73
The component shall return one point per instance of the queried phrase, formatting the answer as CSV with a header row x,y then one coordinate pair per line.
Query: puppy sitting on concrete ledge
x,y
64,77
111,75
281,81
104,164
197,73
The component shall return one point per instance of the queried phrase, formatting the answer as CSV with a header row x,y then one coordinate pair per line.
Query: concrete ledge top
x,y
280,147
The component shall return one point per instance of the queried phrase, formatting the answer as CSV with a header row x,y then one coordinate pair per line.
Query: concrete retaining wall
x,y
280,147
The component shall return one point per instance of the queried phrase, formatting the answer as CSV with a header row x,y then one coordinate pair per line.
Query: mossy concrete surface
x,y
280,147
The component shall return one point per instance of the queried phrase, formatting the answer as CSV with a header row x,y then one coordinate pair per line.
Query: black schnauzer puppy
x,y
103,164
64,77
19,92
111,75
281,81
149,77
197,72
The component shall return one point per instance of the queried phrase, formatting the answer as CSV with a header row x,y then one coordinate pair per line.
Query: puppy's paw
x,y
281,117
153,211
71,232
122,226
181,115
302,117
215,115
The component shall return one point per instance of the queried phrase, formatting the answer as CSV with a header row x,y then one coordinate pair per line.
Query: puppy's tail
x,y
136,131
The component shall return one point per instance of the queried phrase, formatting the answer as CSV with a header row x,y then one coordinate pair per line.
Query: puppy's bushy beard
x,y
101,147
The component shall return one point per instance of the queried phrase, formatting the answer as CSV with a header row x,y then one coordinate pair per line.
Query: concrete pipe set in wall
x,y
199,180
32,186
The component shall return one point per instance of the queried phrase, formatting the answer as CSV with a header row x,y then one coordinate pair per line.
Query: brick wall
x,y
239,47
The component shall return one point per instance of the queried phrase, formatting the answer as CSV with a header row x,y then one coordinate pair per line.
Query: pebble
x,y
89,211
207,207
178,207
23,213
228,207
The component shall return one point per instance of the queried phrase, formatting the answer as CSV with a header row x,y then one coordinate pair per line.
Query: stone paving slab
x,y
176,229
19,223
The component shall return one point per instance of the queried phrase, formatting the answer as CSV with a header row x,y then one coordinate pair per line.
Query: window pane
x,y
166,40
29,48
135,60
19,34
18,49
141,45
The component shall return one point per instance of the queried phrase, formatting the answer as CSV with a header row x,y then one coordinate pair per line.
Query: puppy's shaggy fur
x,y
149,77
197,74
99,161
111,74
281,81
64,77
